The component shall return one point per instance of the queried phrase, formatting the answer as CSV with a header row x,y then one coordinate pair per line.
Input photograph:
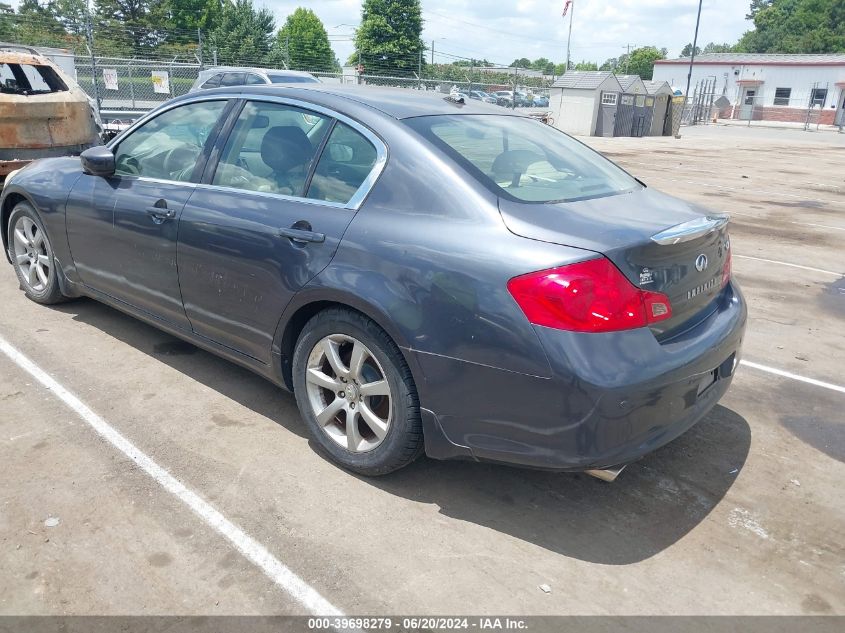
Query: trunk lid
x,y
622,228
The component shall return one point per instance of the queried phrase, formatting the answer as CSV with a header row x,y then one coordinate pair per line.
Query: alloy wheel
x,y
349,393
32,255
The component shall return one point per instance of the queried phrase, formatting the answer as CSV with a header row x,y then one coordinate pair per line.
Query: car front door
x,y
122,229
269,217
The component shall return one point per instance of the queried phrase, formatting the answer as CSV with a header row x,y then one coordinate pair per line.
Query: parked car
x,y
223,76
43,112
506,98
540,101
481,291
480,95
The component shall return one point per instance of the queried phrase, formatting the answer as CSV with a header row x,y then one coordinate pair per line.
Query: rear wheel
x,y
32,255
356,393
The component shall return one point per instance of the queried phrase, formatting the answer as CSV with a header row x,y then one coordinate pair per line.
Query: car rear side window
x,y
252,79
523,159
346,161
271,149
292,79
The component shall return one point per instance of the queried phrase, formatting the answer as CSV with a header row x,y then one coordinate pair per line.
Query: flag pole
x,y
569,38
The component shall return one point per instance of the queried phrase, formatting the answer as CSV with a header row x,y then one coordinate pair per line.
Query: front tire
x,y
356,393
32,256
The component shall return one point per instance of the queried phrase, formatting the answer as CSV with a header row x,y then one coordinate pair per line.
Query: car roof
x,y
398,103
266,71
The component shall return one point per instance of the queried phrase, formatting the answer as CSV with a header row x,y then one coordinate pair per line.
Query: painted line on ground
x,y
774,261
787,374
749,190
273,568
823,226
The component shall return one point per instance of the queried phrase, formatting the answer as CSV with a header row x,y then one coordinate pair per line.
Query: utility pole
x,y
691,60
628,56
90,36
569,38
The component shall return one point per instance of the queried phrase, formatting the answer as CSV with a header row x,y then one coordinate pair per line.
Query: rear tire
x,y
32,256
347,369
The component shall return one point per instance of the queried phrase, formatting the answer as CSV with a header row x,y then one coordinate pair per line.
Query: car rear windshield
x,y
524,159
292,79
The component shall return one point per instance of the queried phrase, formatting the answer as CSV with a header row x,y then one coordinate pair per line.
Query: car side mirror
x,y
98,161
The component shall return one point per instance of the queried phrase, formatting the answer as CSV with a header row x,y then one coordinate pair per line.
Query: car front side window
x,y
168,146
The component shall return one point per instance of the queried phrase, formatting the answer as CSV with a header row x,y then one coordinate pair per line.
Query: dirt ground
x,y
744,514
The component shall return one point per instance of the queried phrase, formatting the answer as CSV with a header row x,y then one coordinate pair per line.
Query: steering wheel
x,y
180,158
129,166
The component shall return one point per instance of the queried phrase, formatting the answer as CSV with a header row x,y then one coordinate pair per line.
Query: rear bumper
x,y
612,399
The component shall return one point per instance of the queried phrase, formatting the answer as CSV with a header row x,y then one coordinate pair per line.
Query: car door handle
x,y
302,235
159,214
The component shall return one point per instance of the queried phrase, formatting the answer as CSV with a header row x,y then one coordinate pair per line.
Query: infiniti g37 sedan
x,y
425,275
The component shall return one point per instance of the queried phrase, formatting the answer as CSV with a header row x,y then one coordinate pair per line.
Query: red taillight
x,y
591,296
726,271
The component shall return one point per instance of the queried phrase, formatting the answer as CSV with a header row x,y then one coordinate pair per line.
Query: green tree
x,y
389,40
614,63
582,65
7,22
522,62
687,50
641,61
305,43
795,26
712,47
243,36
193,14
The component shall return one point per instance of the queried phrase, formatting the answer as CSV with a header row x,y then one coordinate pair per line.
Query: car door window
x,y
345,163
232,79
214,81
168,146
253,79
271,148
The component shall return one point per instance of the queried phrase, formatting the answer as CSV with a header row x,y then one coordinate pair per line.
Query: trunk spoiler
x,y
691,230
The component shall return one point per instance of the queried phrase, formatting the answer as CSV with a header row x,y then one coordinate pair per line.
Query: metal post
x,y
419,69
515,80
432,52
199,45
214,55
287,51
569,38
90,35
692,55
131,84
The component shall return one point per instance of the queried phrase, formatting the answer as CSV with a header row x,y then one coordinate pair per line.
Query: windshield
x,y
523,159
292,79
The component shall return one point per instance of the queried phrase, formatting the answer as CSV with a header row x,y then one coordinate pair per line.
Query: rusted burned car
x,y
43,112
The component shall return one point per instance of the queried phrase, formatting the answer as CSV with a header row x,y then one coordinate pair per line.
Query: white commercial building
x,y
767,86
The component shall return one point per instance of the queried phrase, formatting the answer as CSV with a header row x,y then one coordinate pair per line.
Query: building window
x,y
608,98
627,99
782,96
818,97
640,101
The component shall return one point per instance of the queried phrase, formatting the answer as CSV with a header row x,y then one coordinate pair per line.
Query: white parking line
x,y
774,261
272,567
786,374
823,226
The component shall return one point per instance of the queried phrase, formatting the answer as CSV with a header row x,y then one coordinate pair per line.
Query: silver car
x,y
224,76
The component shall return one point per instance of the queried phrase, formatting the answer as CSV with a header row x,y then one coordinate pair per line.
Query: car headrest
x,y
285,147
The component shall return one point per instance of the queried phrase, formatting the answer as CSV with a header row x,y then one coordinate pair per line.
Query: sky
x,y
504,30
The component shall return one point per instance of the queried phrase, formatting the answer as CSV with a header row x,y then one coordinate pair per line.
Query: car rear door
x,y
269,216
122,229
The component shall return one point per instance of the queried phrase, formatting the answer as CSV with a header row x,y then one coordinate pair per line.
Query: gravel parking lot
x,y
744,514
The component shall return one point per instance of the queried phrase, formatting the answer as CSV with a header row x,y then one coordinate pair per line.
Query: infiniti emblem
x,y
701,262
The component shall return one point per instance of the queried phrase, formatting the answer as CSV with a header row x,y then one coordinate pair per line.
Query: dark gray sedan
x,y
423,274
